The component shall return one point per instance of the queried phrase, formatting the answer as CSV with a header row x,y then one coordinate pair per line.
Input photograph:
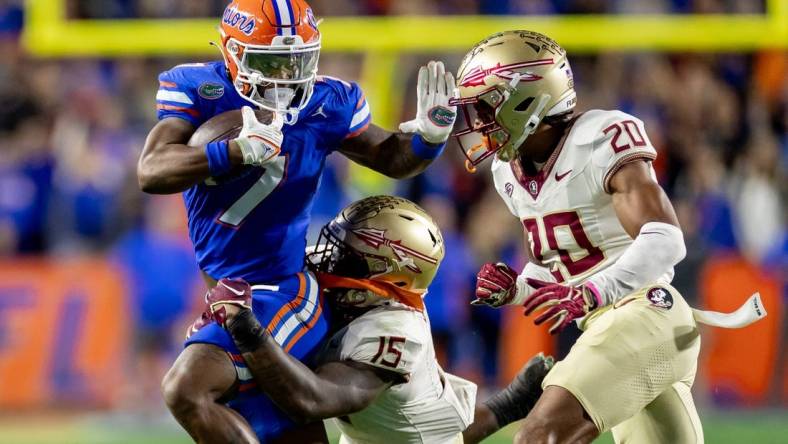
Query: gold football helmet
x,y
382,238
507,84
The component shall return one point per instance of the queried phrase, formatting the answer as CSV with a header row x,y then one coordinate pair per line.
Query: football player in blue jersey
x,y
248,200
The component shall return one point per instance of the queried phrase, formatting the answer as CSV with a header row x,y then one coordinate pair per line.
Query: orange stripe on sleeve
x,y
304,329
361,102
189,111
289,306
168,84
358,132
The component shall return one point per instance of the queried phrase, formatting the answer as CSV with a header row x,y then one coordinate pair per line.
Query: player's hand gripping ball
x,y
434,117
560,304
260,143
228,298
496,285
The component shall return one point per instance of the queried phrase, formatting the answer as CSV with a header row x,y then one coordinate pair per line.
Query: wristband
x,y
425,150
218,158
246,331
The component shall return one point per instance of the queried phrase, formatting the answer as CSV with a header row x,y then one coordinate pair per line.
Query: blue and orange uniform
x,y
253,224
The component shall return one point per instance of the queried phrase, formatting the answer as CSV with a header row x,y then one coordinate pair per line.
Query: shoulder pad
x,y
617,138
388,339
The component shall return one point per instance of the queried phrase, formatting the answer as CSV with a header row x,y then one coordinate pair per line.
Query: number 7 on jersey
x,y
271,178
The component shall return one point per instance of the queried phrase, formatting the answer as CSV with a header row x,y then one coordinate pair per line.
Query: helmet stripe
x,y
290,12
284,17
278,17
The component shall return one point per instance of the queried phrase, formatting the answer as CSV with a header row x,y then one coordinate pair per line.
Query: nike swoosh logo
x,y
237,292
558,177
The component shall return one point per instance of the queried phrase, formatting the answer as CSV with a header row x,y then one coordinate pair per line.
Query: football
x,y
224,126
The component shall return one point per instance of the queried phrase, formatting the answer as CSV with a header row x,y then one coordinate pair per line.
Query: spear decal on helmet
x,y
376,238
476,76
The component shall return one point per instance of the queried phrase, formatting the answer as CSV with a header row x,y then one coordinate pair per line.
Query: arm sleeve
x,y
656,250
176,98
621,139
385,343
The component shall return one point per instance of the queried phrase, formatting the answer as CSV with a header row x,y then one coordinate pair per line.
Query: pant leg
x,y
629,355
670,418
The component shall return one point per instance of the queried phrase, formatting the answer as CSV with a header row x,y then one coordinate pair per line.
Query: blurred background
x,y
98,281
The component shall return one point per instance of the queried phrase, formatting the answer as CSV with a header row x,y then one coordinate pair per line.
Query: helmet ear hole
x,y
524,104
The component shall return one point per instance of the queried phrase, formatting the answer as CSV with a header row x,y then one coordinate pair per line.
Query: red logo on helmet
x,y
477,75
376,238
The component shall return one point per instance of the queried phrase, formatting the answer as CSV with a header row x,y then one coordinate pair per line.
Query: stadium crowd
x,y
71,132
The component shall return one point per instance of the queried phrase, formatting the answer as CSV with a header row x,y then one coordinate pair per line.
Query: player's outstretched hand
x,y
259,143
496,285
560,304
434,117
228,298
515,401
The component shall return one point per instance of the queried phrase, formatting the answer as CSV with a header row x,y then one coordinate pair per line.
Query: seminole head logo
x,y
476,76
376,239
660,297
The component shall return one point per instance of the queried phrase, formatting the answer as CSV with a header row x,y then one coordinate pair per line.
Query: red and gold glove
x,y
560,304
496,285
228,298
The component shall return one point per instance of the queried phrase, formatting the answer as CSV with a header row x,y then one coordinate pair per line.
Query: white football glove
x,y
260,143
435,118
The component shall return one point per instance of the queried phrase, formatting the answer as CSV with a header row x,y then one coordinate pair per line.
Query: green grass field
x,y
724,428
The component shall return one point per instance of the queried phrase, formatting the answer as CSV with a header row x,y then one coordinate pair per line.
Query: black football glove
x,y
515,401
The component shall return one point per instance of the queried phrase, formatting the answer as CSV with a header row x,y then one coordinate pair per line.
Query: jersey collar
x,y
534,184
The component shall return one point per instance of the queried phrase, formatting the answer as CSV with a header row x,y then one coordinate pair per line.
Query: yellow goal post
x,y
382,40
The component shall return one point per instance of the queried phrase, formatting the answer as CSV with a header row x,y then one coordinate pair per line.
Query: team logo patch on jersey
x,y
533,188
211,91
442,116
660,297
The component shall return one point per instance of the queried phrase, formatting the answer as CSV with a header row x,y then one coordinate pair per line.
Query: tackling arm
x,y
334,389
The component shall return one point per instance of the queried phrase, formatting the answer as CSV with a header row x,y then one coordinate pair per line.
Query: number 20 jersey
x,y
566,209
253,224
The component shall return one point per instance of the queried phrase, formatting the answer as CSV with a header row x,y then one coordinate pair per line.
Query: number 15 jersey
x,y
566,209
425,405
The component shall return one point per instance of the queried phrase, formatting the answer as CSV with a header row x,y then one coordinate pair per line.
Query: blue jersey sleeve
x,y
358,110
177,97
350,108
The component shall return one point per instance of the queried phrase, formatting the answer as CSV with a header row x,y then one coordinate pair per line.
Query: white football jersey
x,y
566,209
428,406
